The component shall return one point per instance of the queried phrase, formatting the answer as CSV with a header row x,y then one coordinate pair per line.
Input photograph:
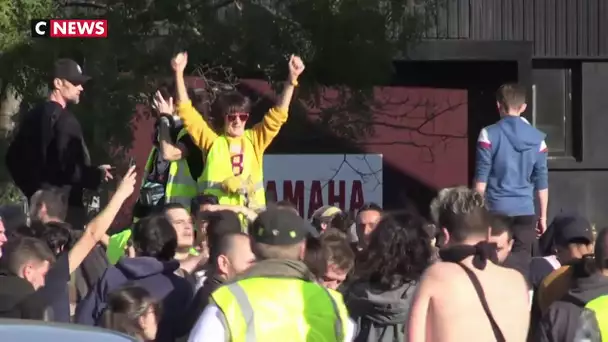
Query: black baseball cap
x,y
570,228
280,227
69,70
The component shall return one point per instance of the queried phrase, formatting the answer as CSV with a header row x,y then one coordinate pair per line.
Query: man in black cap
x,y
49,147
277,298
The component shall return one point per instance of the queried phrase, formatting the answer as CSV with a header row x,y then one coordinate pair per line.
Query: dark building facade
x,y
559,50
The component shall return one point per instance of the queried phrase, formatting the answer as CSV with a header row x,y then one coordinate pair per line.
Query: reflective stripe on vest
x,y
247,323
180,187
599,306
218,168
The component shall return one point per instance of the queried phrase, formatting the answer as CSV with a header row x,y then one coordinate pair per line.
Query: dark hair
x,y
12,217
125,306
171,206
398,252
370,206
205,199
154,236
511,96
24,231
54,199
19,251
286,204
431,230
222,222
221,244
601,248
500,224
56,234
339,251
332,233
230,102
316,257
199,200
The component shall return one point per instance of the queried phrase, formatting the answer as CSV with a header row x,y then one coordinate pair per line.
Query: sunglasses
x,y
241,116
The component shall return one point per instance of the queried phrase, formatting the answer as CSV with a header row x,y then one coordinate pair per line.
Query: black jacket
x,y
49,149
201,299
560,322
18,299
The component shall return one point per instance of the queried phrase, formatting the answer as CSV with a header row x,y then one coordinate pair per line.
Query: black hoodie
x,y
380,315
560,322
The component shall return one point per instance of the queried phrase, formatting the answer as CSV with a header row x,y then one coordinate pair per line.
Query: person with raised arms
x,y
234,158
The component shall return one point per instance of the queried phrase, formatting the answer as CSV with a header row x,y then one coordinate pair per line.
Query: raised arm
x,y
170,150
202,135
98,227
265,131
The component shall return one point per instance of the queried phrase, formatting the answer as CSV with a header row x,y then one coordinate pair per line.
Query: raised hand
x,y
161,105
296,67
107,172
179,62
127,184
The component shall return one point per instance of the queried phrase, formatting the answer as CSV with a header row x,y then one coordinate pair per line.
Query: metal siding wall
x,y
603,27
559,28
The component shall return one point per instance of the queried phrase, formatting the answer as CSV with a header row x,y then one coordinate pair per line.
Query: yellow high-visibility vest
x,y
599,307
180,187
302,311
218,168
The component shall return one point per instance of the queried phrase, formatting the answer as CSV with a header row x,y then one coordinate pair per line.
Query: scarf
x,y
481,252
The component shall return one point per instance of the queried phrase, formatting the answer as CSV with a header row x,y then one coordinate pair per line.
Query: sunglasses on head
x,y
241,116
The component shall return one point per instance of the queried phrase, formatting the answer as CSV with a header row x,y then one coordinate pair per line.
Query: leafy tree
x,y
349,44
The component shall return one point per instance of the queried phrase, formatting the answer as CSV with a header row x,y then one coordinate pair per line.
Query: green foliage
x,y
345,43
10,194
15,19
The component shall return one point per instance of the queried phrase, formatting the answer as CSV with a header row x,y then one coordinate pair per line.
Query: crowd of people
x,y
207,259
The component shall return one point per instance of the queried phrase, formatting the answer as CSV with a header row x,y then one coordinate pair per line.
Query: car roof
x,y
17,330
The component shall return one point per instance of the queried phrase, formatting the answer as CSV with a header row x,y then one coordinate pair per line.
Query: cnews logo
x,y
69,28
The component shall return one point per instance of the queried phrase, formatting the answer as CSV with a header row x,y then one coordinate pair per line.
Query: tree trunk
x,y
9,106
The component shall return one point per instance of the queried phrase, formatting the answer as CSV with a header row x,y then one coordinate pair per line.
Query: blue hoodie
x,y
172,291
512,160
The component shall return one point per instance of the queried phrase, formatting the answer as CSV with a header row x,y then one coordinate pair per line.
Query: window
x,y
552,108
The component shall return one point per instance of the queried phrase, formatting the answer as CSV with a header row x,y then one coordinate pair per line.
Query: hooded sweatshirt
x,y
380,315
512,160
158,277
560,322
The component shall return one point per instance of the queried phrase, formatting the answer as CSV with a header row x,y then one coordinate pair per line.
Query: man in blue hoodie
x,y
154,269
511,166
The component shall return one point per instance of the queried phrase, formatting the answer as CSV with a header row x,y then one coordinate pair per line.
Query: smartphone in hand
x,y
131,162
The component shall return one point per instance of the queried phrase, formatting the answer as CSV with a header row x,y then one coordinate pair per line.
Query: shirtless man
x,y
446,306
